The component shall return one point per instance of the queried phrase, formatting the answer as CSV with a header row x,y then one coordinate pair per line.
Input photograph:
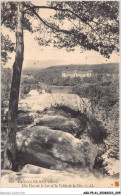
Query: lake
x,y
60,89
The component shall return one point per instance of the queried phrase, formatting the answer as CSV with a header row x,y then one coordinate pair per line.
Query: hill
x,y
52,75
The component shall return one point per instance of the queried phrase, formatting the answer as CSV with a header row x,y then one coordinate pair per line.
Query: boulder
x,y
70,125
5,172
42,146
32,169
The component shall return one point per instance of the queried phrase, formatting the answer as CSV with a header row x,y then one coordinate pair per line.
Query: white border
x,y
59,191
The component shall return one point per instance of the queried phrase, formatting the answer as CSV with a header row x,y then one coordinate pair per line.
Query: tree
x,y
89,25
7,46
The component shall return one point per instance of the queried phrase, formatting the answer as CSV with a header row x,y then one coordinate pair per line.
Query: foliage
x,y
105,104
6,47
89,125
89,25
53,75
104,94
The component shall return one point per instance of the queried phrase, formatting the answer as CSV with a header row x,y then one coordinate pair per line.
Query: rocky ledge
x,y
57,133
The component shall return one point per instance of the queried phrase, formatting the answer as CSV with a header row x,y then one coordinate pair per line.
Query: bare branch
x,y
60,9
50,25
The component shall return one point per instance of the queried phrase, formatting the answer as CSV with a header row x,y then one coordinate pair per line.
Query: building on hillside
x,y
69,74
76,73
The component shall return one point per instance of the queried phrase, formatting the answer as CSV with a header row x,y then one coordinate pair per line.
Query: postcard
x,y
60,94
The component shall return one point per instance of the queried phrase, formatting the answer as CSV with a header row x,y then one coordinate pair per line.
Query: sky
x,y
42,57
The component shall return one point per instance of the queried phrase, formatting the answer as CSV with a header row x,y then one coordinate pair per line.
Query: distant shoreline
x,y
62,65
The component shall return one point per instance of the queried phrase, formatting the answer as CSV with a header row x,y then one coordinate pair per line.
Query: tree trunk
x,y
10,161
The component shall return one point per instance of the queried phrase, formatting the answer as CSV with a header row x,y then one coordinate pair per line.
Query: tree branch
x,y
60,9
69,32
57,29
51,26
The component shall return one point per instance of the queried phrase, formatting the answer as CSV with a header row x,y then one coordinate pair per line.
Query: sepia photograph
x,y
60,94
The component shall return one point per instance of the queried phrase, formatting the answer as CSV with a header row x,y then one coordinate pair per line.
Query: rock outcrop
x,y
45,147
42,101
56,131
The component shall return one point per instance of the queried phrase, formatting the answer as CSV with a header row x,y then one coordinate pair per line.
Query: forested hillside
x,y
52,75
